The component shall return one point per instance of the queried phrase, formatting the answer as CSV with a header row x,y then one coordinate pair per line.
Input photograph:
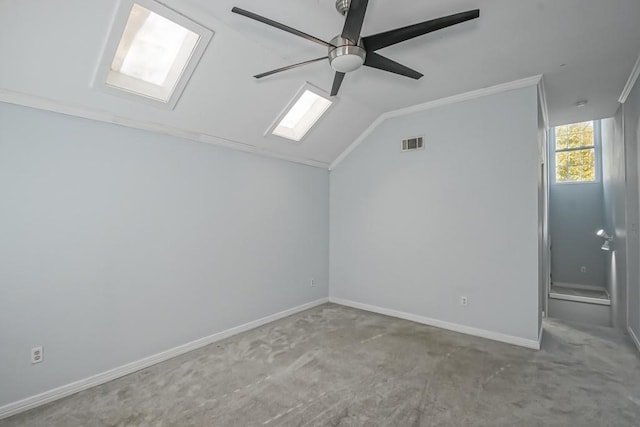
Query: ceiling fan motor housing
x,y
346,56
342,6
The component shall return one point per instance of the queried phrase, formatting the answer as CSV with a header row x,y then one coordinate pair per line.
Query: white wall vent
x,y
411,144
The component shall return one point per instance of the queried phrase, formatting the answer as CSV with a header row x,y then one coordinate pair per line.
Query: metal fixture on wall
x,y
607,246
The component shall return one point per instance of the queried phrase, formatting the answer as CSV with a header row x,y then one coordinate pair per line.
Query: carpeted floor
x,y
337,366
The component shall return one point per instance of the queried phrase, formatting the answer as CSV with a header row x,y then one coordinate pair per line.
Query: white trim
x,y
540,337
306,87
358,141
580,299
40,103
145,92
482,333
467,96
634,338
77,386
631,82
542,95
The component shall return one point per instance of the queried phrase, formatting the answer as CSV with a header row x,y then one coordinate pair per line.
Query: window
x,y
152,52
575,153
302,114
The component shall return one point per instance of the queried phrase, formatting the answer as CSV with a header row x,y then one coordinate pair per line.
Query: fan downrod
x,y
342,6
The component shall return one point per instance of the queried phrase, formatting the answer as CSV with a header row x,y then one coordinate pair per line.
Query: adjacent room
x,y
319,213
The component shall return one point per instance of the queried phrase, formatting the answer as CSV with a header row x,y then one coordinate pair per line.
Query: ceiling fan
x,y
349,51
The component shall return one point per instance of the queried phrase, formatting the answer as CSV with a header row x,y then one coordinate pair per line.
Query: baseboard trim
x,y
634,338
112,374
580,299
468,330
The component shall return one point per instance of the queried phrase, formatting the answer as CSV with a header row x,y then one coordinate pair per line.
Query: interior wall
x,y
543,220
416,231
117,244
576,212
614,182
632,135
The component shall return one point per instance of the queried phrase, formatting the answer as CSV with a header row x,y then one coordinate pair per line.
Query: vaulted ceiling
x,y
585,49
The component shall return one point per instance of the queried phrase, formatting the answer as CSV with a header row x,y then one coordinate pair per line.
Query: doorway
x,y
580,243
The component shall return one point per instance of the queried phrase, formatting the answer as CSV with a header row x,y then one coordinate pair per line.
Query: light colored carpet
x,y
338,366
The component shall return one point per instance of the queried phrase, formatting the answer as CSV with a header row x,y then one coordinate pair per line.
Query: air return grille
x,y
411,144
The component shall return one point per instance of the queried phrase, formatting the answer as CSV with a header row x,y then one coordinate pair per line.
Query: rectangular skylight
x,y
152,51
153,48
301,117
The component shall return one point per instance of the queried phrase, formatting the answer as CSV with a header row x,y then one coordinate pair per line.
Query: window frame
x,y
306,87
112,42
597,144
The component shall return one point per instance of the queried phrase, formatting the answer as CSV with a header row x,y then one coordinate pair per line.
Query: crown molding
x,y
41,103
631,82
467,96
542,95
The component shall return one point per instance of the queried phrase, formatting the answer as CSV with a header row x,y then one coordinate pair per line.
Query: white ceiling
x,y
585,49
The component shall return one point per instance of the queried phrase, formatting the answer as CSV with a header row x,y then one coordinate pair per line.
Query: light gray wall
x,y
576,212
544,263
416,231
632,141
116,244
614,182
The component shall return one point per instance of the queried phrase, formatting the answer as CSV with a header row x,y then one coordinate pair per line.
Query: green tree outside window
x,y
575,153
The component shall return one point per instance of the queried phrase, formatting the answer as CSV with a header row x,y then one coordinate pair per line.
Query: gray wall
x,y
614,182
416,231
544,257
632,140
116,244
576,212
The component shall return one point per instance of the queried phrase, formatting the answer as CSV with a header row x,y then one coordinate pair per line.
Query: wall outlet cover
x,y
37,355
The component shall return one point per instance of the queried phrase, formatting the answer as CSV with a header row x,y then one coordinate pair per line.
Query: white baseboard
x,y
495,336
112,374
634,338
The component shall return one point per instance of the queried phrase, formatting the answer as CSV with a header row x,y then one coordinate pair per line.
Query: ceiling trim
x,y
542,95
40,103
633,77
504,87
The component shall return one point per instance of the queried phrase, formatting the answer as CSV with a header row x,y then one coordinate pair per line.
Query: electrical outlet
x,y
464,301
313,283
583,269
37,355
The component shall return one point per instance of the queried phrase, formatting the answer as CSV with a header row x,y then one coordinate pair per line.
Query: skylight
x,y
152,51
301,117
152,47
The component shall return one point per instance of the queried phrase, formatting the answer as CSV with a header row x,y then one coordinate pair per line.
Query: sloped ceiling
x,y
585,49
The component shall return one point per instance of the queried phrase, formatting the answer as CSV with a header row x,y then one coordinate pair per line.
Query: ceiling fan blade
x,y
280,26
388,38
337,81
374,60
289,67
354,20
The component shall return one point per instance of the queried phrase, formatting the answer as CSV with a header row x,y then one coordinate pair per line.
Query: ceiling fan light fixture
x,y
347,51
346,57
